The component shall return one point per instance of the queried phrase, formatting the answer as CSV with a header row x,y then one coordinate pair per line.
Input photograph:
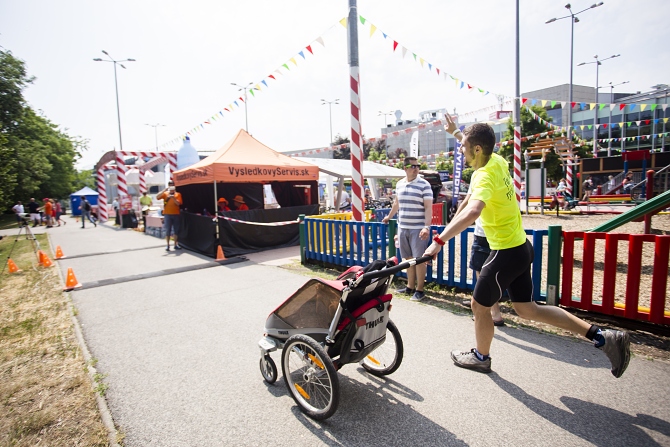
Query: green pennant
x,y
602,106
286,67
653,107
414,54
553,104
362,20
251,90
590,126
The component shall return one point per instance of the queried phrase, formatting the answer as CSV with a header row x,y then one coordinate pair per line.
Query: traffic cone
x,y
46,262
40,257
71,281
59,253
219,254
12,266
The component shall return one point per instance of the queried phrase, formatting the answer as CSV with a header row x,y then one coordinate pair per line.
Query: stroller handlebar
x,y
391,270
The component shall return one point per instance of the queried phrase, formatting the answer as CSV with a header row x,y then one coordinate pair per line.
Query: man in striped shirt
x,y
414,205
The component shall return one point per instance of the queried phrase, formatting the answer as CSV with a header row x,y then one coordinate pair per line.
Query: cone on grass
x,y
59,252
71,282
219,254
12,266
40,257
44,259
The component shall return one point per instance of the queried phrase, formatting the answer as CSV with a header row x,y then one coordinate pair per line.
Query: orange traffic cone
x,y
40,257
59,253
71,281
46,262
12,267
219,254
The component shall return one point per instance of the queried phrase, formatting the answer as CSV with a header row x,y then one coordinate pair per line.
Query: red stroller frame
x,y
327,324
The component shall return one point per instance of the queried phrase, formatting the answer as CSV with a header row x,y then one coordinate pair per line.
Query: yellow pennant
x,y
293,60
258,87
642,107
593,105
344,22
544,102
421,61
372,29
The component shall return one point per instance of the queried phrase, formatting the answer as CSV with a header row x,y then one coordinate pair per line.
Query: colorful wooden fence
x,y
598,291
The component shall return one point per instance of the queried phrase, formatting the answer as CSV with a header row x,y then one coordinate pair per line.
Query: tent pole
x,y
216,213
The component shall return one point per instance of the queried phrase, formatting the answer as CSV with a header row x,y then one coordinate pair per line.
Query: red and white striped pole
x,y
354,96
172,159
517,118
568,175
102,194
143,181
121,175
517,162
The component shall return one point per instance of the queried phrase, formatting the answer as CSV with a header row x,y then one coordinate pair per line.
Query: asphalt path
x,y
180,356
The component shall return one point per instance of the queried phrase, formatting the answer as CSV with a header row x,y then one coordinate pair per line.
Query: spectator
x,y
587,188
145,203
85,208
58,210
345,200
34,210
239,203
172,202
627,183
117,214
223,205
48,212
19,211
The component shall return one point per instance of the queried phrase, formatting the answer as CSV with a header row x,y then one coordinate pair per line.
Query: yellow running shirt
x,y
501,218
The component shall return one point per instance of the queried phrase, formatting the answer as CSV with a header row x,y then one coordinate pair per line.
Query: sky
x,y
189,52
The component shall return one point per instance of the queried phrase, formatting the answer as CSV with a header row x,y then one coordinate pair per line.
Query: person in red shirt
x,y
223,205
171,207
239,203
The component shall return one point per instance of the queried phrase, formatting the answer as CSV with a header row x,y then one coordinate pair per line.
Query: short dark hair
x,y
410,159
481,134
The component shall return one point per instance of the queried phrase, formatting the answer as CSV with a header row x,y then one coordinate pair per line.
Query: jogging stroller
x,y
327,324
570,202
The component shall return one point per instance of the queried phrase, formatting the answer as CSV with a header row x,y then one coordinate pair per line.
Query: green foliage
x,y
38,158
466,176
84,178
442,163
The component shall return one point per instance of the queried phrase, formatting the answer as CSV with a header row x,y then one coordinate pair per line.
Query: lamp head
x,y
580,64
568,6
97,59
104,52
551,20
131,60
576,19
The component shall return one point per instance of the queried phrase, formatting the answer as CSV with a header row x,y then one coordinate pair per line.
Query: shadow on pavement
x,y
596,424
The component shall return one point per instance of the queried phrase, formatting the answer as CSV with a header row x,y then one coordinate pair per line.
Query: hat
x,y
222,199
239,199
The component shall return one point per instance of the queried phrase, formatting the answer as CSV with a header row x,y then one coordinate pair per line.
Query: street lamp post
x,y
116,86
245,88
330,116
573,20
598,63
665,88
155,126
609,135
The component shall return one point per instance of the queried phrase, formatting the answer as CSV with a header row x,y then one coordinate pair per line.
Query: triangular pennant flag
x,y
343,22
320,40
543,102
302,54
664,106
385,35
309,48
581,127
273,77
438,70
404,51
656,121
632,107
604,126
597,126
421,62
638,123
523,100
251,90
286,67
293,60
573,104
621,124
593,105
395,45
630,123
533,102
414,54
462,84
612,106
430,67
553,104
646,122
563,103
372,29
362,19
622,106
665,120
602,106
236,103
241,99
582,105
265,83
653,107
642,107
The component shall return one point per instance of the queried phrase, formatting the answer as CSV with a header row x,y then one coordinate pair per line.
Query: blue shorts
x,y
171,221
411,245
479,253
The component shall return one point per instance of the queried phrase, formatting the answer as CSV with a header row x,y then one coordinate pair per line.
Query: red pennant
x,y
621,106
523,100
241,99
573,104
309,48
226,109
395,45
646,122
273,77
604,126
469,86
438,70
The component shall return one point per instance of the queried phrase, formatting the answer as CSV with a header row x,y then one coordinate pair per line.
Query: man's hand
x,y
424,233
386,219
432,250
451,125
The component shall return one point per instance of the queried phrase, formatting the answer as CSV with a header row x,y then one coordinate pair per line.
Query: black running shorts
x,y
507,269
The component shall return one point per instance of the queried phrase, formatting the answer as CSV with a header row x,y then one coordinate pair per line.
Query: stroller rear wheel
x,y
386,359
310,376
268,369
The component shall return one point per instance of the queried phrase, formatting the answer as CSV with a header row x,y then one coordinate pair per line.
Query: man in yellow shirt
x,y
508,266
171,203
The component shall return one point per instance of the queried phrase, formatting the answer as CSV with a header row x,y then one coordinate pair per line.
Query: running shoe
x,y
406,291
469,360
418,296
617,349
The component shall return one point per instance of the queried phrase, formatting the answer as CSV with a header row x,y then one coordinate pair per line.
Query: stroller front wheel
x,y
268,369
386,359
310,377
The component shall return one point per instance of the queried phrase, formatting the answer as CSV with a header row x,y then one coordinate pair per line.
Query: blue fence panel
x,y
380,214
349,243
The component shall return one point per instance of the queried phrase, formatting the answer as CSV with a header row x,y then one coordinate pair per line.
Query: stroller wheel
x,y
268,369
310,376
386,359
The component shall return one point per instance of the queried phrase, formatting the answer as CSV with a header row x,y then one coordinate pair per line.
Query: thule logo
x,y
372,324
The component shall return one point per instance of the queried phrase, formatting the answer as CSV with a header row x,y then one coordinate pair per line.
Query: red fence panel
x,y
605,303
437,214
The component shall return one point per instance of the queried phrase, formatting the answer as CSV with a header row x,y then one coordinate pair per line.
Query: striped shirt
x,y
411,208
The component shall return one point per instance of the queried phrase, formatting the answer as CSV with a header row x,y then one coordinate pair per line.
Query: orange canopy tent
x,y
244,159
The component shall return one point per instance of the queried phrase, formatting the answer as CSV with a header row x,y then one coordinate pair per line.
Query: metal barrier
x,y
329,241
592,280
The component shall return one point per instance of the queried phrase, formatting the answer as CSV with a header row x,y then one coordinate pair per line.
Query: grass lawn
x,y
46,395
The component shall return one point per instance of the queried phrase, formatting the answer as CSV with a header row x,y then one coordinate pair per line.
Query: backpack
x,y
87,206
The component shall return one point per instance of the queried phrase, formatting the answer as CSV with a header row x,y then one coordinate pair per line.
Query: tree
x,y
38,159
